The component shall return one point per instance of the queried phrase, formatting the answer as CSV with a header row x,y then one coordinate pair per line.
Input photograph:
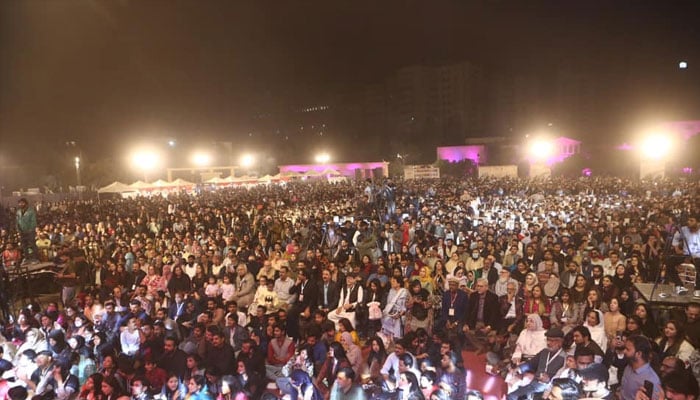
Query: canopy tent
x,y
161,183
139,185
330,172
116,187
267,178
311,173
290,174
181,182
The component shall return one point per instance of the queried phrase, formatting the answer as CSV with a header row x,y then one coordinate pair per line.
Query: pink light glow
x,y
345,169
625,147
460,153
687,170
685,129
586,172
562,148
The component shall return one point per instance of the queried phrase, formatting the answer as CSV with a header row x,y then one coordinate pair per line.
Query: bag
x,y
375,312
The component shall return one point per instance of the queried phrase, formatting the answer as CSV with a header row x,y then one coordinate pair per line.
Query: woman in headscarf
x,y
58,346
352,351
426,279
594,322
83,366
34,340
531,340
395,308
530,282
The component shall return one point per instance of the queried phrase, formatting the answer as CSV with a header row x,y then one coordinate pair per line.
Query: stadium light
x,y
322,158
541,149
247,160
656,146
145,161
77,170
201,159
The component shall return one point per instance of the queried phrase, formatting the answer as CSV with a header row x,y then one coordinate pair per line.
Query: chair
x,y
687,275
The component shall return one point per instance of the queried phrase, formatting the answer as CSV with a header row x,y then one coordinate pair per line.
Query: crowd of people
x,y
359,290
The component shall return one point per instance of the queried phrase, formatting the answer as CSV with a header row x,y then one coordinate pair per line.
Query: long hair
x,y
338,351
181,388
380,355
303,381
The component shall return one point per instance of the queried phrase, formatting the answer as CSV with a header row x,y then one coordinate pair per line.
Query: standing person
x,y
68,278
638,351
307,296
26,226
687,242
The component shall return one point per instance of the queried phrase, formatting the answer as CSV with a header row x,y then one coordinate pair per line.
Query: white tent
x,y
181,182
139,185
161,183
311,173
330,172
115,187
290,174
266,178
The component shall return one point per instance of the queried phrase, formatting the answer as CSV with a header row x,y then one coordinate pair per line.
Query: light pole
x,y
77,170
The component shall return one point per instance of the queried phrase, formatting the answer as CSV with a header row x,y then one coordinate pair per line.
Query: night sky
x,y
100,72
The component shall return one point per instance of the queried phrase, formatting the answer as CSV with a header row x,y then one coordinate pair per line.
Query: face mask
x,y
475,256
78,323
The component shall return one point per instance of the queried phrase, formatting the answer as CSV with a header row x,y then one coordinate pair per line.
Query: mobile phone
x,y
648,388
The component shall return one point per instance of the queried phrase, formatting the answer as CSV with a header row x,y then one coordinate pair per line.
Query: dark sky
x,y
98,71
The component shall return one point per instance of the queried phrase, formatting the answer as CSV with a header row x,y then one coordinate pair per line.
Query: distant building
x,y
501,151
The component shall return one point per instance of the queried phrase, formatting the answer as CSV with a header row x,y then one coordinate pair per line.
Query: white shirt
x,y
130,342
691,241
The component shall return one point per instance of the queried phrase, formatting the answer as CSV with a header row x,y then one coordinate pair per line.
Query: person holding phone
x,y
638,371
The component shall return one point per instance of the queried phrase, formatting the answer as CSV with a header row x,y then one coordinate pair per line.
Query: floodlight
x,y
145,160
322,158
541,149
247,160
656,146
201,159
